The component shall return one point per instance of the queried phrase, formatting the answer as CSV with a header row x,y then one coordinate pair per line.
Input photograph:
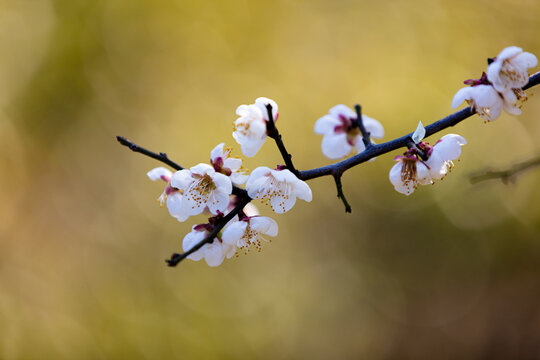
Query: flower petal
x,y
181,179
159,173
342,110
326,125
218,201
264,225
213,254
174,205
234,232
217,152
192,239
281,203
335,146
202,169
399,185
374,127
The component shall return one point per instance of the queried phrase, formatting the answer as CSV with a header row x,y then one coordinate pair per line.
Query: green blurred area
x,y
449,272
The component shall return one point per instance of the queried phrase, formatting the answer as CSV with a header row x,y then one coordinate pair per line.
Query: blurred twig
x,y
507,175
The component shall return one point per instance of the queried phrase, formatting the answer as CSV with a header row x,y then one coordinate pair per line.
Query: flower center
x,y
408,170
200,189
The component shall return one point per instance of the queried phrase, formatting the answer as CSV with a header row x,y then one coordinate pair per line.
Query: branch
x,y
337,169
274,134
160,157
504,175
380,149
163,158
176,258
340,194
365,134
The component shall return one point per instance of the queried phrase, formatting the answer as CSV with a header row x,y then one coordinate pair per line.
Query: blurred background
x,y
449,272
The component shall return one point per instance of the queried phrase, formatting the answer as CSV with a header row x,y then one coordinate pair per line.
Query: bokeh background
x,y
452,271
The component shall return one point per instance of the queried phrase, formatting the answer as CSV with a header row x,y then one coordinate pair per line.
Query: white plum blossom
x,y
509,69
341,133
230,166
408,173
442,154
411,171
250,127
171,195
484,99
279,188
247,232
202,187
211,252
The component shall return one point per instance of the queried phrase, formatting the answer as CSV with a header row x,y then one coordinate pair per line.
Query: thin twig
x,y
340,194
360,122
136,148
504,175
274,134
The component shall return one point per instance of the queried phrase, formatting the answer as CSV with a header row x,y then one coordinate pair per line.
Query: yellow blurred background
x,y
452,271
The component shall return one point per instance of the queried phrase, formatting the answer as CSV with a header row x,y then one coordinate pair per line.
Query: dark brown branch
x,y
274,134
504,175
340,194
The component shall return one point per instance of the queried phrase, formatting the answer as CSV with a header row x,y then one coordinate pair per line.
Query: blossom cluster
x,y
208,188
500,87
214,189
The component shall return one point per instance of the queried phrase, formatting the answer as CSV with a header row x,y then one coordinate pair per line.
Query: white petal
x,y
232,163
202,169
281,203
526,60
256,175
238,179
343,110
192,239
264,225
509,102
449,147
284,175
234,232
399,185
218,201
302,191
249,147
213,254
419,133
250,210
335,146
217,152
326,125
437,166
174,205
261,104
493,75
181,179
374,127
422,174
159,173
508,52
222,182
460,96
